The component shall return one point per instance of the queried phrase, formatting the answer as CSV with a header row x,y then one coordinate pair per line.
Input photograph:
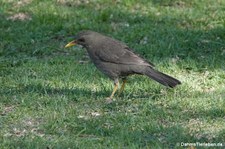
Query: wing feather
x,y
119,53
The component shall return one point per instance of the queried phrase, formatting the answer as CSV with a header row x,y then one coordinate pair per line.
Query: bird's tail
x,y
162,78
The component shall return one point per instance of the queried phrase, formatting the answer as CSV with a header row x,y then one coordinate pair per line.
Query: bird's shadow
x,y
80,92
74,93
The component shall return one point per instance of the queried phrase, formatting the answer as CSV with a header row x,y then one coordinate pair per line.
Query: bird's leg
x,y
123,85
116,84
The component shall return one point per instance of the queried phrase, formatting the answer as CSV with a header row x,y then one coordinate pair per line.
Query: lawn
x,y
52,97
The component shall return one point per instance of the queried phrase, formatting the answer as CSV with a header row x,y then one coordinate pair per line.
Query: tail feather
x,y
162,78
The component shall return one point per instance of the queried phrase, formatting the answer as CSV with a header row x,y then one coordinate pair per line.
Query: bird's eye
x,y
81,40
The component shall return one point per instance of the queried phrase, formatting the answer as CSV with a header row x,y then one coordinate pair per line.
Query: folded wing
x,y
119,54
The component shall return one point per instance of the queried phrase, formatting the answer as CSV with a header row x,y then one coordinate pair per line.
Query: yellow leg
x,y
114,90
122,87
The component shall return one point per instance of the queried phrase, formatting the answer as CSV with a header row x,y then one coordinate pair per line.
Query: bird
x,y
117,61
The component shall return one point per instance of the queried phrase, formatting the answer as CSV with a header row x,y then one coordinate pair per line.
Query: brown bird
x,y
116,60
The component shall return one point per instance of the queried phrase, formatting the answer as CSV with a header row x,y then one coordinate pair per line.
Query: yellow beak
x,y
70,44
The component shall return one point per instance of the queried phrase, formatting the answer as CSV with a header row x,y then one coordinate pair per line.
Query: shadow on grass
x,y
73,93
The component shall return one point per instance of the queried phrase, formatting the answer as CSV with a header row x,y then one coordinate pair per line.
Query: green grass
x,y
48,99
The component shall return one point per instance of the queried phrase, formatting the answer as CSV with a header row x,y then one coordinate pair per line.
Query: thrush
x,y
117,61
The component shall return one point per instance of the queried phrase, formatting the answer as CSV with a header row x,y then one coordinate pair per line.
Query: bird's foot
x,y
109,100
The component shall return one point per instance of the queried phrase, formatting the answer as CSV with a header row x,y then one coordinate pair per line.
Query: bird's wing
x,y
119,53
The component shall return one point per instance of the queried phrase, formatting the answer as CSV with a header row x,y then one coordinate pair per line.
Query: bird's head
x,y
84,38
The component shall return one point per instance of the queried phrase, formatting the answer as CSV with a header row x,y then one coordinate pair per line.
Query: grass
x,y
51,97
